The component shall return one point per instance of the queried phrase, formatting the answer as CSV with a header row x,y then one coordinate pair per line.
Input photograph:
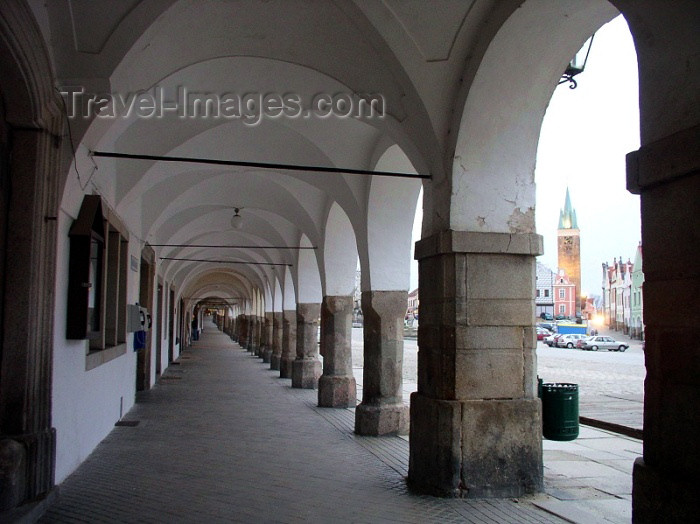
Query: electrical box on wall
x,y
137,318
133,318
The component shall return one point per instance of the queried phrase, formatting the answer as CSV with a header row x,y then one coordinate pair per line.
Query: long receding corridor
x,y
222,438
168,165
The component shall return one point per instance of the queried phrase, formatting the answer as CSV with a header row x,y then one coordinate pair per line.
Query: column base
x,y
383,419
475,448
267,356
659,496
305,373
285,368
337,392
274,361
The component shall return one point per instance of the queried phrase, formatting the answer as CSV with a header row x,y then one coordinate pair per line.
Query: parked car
x,y
541,333
546,316
548,326
569,341
603,342
551,340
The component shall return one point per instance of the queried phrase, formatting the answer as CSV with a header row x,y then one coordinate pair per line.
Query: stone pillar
x,y
243,338
289,344
257,341
27,440
336,387
267,336
382,411
476,419
253,340
306,368
275,355
262,334
666,174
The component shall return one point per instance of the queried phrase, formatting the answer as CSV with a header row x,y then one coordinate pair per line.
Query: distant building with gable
x,y
637,297
617,284
544,290
565,297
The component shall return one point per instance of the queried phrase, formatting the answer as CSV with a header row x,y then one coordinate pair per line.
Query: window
x,y
562,293
84,308
97,282
546,293
562,309
537,294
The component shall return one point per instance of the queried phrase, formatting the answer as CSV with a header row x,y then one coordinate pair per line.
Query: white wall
x,y
86,404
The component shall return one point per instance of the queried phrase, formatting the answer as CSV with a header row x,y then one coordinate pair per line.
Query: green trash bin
x,y
560,411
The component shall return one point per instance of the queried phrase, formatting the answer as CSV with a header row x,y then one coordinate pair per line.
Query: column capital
x,y
451,241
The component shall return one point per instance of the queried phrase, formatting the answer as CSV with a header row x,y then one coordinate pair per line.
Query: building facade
x,y
412,309
617,293
544,290
637,297
565,296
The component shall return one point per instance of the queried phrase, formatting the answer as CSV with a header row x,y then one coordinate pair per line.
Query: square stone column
x,y
266,353
243,336
306,368
476,419
275,355
666,174
257,339
382,411
336,387
289,343
253,334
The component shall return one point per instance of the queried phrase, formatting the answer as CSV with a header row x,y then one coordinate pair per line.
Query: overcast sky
x,y
586,134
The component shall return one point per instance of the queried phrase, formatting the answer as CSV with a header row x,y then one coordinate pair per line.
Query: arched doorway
x,y
30,154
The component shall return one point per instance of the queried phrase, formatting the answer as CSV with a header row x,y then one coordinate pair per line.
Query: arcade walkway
x,y
222,439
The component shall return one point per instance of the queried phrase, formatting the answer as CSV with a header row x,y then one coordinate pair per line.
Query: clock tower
x,y
569,247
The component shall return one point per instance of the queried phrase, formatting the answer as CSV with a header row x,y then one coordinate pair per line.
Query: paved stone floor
x,y
611,384
221,438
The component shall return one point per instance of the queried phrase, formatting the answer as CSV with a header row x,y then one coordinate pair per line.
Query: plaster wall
x,y
86,404
391,212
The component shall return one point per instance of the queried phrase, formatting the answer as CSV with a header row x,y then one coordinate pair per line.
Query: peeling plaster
x,y
520,222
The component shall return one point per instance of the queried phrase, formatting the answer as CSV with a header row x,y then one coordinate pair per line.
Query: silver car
x,y
569,341
603,342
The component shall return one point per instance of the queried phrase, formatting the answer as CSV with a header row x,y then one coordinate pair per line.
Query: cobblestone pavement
x,y
611,384
221,438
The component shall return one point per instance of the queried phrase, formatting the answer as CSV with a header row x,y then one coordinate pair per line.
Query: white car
x,y
569,341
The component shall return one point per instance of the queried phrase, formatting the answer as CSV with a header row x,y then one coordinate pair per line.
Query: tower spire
x,y
567,216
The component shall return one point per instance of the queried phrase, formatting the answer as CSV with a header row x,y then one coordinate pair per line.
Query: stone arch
x,y
478,249
308,289
339,254
391,206
492,180
30,159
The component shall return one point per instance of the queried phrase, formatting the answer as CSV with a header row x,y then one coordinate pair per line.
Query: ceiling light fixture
x,y
236,219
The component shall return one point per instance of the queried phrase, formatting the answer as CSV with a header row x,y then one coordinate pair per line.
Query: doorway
x,y
159,329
